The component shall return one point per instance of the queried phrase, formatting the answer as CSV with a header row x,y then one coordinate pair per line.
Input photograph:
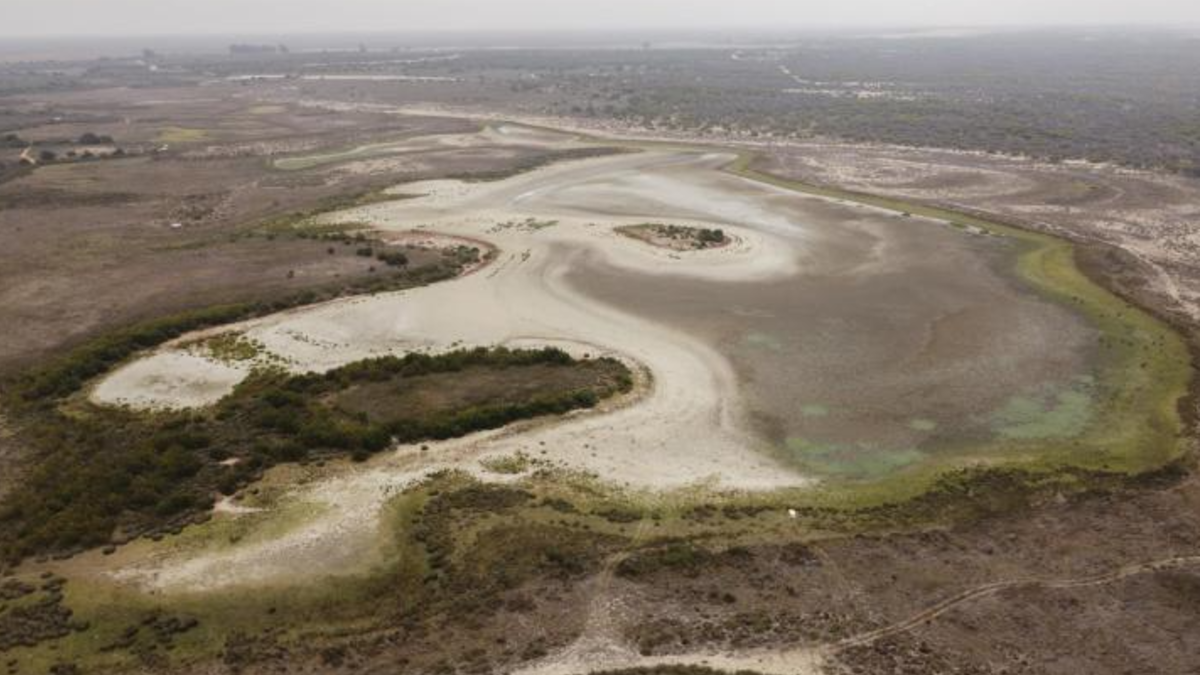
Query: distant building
x,y
255,49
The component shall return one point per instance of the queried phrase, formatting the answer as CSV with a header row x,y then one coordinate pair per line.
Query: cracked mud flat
x,y
709,414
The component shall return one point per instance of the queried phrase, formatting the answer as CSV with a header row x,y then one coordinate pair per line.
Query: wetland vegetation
x,y
109,475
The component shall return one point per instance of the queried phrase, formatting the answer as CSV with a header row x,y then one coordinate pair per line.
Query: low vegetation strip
x,y
68,374
672,669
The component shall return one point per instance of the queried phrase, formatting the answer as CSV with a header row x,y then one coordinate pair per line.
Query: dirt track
x,y
602,648
989,589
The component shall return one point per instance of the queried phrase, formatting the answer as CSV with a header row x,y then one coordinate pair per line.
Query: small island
x,y
676,237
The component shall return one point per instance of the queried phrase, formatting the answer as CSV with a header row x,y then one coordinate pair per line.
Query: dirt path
x,y
602,648
989,589
602,645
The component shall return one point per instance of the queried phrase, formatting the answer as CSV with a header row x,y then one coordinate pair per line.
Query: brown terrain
x,y
1104,582
175,225
108,225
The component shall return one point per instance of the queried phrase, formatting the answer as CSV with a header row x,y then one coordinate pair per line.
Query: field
x,y
326,372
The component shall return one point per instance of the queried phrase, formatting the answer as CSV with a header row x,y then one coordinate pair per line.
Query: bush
x,y
176,503
393,258
678,557
90,138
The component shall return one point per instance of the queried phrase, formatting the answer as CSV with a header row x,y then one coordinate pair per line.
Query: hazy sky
x,y
133,17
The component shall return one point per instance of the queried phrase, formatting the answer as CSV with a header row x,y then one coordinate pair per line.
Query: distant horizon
x,y
573,37
666,30
85,46
87,18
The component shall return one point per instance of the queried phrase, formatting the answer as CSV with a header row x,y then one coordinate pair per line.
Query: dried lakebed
x,y
833,349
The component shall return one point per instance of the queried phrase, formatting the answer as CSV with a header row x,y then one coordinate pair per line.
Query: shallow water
x,y
900,338
844,340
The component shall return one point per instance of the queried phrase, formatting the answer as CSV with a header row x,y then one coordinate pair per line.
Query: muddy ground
x,y
1150,215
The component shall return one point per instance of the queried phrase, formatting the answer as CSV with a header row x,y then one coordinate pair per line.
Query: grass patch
x,y
516,463
530,224
229,347
849,461
814,410
306,225
181,135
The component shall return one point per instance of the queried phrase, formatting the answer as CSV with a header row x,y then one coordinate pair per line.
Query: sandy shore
x,y
686,429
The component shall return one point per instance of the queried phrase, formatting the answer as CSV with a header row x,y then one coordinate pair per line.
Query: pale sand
x,y
686,428
169,379
783,662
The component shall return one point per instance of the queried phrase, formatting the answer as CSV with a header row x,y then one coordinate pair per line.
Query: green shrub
x,y
112,469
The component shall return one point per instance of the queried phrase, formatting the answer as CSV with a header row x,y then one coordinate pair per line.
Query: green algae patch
x,y
758,340
182,135
814,410
1062,414
856,461
921,424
